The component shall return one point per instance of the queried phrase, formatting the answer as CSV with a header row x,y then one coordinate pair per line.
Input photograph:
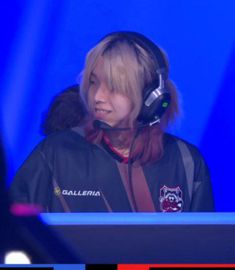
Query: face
x,y
111,108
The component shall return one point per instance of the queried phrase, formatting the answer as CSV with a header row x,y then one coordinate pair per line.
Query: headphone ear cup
x,y
155,110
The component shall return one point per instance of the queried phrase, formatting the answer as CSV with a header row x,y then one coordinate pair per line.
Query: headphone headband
x,y
147,45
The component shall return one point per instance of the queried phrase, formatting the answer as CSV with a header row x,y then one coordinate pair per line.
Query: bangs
x,y
91,61
122,70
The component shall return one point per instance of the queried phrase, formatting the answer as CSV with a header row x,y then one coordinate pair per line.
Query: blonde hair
x,y
128,69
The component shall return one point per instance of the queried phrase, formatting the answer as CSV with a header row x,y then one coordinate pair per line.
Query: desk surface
x,y
147,237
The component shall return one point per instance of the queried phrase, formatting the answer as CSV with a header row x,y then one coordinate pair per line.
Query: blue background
x,y
44,43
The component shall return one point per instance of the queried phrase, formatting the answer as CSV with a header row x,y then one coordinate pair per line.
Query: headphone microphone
x,y
97,124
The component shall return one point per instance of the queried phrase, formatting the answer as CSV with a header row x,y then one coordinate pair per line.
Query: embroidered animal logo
x,y
171,199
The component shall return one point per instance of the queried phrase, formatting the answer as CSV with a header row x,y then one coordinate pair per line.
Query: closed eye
x,y
93,79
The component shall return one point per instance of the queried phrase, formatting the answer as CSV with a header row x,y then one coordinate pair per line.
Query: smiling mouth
x,y
102,111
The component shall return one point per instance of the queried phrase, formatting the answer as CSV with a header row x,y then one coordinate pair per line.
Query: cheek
x,y
128,105
124,110
121,104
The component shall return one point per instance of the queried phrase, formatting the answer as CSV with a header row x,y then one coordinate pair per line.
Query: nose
x,y
101,94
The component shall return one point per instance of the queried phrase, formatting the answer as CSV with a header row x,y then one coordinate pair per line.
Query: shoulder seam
x,y
188,163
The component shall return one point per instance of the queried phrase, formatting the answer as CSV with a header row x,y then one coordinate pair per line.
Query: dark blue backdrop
x,y
43,45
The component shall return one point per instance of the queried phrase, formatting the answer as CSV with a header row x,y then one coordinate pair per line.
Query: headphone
x,y
156,97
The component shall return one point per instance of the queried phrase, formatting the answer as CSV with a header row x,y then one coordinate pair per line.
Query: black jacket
x,y
67,173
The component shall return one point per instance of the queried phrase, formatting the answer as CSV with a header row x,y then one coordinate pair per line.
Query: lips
x,y
100,112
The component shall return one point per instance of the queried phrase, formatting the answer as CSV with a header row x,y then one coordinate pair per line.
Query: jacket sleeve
x,y
202,197
32,182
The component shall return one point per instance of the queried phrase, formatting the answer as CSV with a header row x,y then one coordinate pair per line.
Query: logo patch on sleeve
x,y
171,199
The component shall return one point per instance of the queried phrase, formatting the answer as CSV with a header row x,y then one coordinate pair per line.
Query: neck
x,y
119,140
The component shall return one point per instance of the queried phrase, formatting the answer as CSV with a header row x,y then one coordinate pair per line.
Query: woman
x,y
126,162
